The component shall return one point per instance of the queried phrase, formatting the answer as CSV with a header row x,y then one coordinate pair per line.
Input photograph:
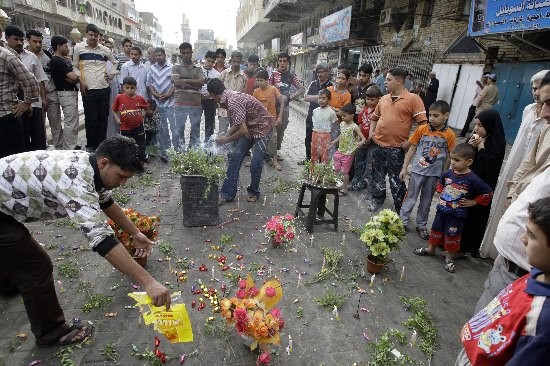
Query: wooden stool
x,y
317,206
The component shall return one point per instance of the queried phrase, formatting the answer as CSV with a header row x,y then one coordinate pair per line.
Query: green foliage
x,y
166,248
330,300
321,175
64,357
65,221
382,355
68,269
284,186
147,356
300,312
198,162
84,286
382,234
109,351
332,259
226,240
95,301
120,196
423,323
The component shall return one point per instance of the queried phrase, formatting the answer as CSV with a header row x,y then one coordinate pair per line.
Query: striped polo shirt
x,y
91,63
160,78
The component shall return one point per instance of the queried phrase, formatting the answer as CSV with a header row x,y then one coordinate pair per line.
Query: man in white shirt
x,y
529,130
208,104
136,69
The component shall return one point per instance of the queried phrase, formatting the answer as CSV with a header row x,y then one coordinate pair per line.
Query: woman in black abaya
x,y
490,143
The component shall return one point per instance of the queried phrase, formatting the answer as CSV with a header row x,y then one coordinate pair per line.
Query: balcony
x,y
252,25
288,10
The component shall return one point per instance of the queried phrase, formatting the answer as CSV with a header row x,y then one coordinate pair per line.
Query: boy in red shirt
x,y
129,111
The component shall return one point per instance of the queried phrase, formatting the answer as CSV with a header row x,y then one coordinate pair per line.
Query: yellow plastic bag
x,y
174,324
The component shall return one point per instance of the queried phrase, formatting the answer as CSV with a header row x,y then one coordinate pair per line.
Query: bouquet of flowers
x,y
382,234
148,225
280,228
253,313
321,175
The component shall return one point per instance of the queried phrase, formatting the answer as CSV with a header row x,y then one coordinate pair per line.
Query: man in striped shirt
x,y
91,59
161,88
251,126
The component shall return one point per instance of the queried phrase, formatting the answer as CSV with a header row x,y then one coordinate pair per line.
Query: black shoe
x,y
423,233
77,147
476,254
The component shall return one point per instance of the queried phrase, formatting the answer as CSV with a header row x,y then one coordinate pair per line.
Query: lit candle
x,y
289,344
299,280
265,199
212,273
238,203
323,268
169,265
335,313
413,338
343,239
372,280
311,241
402,273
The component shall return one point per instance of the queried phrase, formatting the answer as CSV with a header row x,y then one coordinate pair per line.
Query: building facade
x,y
185,29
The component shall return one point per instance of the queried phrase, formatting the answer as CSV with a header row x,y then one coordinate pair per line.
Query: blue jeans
x,y
166,125
194,113
259,147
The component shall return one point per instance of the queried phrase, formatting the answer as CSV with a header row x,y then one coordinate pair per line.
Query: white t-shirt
x,y
322,118
208,75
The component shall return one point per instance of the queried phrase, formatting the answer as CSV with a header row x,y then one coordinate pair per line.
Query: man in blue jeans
x,y
188,80
250,126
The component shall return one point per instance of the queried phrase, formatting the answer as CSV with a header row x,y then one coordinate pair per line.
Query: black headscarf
x,y
488,161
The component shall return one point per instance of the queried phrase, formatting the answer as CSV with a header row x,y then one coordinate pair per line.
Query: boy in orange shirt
x,y
268,95
430,153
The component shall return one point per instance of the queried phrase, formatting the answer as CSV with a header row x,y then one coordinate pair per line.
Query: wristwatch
x,y
29,100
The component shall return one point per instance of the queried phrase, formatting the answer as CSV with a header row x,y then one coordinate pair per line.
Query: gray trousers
x,y
498,279
68,100
54,118
425,186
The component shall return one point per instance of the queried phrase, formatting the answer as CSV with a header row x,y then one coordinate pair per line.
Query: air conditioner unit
x,y
385,16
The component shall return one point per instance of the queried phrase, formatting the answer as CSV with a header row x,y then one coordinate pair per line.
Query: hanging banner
x,y
335,27
490,17
297,43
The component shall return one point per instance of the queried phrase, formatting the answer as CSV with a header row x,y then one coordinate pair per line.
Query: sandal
x,y
76,333
277,166
423,233
449,266
423,252
251,199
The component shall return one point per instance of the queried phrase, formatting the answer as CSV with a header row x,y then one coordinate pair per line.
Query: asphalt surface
x,y
318,337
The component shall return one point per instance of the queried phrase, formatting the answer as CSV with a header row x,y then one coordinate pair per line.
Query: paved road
x,y
318,339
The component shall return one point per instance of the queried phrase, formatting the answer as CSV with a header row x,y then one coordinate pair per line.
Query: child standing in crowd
x,y
363,159
514,329
429,152
128,111
322,117
268,96
460,188
339,97
343,157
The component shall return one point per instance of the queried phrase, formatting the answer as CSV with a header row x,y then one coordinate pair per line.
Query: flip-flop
x,y
423,252
252,199
71,337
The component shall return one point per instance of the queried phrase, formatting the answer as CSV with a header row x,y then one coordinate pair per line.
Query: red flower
x,y
289,217
281,323
242,284
270,292
241,294
253,291
264,358
241,327
276,312
240,315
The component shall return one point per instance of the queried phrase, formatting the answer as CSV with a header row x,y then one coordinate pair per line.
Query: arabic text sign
x,y
489,16
335,27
